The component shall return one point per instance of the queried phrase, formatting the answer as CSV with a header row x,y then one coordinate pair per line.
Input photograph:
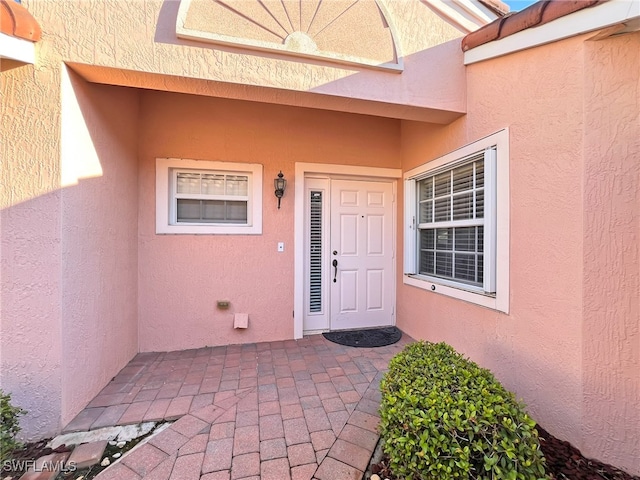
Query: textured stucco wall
x,y
56,294
535,350
30,255
38,287
570,346
611,290
182,276
141,37
99,237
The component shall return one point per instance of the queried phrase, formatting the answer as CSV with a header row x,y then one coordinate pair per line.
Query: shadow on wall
x,y
166,33
69,259
416,94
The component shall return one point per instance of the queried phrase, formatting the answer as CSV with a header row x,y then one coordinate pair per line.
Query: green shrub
x,y
9,425
443,417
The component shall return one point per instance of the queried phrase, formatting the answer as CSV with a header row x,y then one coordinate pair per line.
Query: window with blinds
x,y
456,223
211,197
206,197
451,223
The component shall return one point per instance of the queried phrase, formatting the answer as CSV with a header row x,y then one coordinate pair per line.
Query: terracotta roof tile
x,y
519,22
533,16
16,21
496,6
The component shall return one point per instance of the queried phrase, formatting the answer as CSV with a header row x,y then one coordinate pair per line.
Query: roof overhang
x,y
13,48
467,15
253,93
615,16
18,33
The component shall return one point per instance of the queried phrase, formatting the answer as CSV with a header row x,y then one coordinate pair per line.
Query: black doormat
x,y
374,337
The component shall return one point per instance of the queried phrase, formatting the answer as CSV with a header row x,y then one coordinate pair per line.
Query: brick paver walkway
x,y
299,410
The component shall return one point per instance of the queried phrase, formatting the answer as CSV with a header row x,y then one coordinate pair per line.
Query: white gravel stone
x,y
160,428
76,438
130,432
375,476
117,455
105,462
119,434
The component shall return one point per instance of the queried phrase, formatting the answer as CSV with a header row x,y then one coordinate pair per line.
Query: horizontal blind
x,y
315,254
211,197
451,222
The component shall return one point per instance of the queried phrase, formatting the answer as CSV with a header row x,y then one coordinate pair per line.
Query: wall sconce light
x,y
281,184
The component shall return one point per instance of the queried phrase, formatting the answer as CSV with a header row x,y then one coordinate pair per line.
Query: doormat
x,y
374,337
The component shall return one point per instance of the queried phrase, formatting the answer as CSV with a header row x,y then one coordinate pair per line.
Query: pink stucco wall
x,y
30,252
68,261
545,165
131,40
569,349
611,255
182,276
86,282
99,238
66,279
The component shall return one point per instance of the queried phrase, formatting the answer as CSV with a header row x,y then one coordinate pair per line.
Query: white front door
x,y
361,254
349,244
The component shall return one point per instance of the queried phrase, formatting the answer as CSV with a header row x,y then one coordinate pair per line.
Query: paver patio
x,y
298,409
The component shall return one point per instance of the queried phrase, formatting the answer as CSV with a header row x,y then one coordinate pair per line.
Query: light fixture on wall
x,y
281,184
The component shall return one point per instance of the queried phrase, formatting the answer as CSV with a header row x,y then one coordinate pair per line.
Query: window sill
x,y
207,230
462,292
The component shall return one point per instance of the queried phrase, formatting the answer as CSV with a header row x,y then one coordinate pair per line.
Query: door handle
x,y
335,265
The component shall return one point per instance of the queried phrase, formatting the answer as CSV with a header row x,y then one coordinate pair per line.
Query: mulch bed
x,y
564,462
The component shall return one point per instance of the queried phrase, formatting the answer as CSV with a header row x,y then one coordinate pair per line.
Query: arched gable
x,y
356,32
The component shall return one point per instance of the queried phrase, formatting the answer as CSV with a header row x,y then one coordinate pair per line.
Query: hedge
x,y
444,417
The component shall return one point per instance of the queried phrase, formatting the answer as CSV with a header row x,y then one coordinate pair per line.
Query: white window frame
x,y
495,291
165,197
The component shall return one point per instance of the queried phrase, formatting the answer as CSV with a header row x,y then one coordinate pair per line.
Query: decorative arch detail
x,y
355,32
